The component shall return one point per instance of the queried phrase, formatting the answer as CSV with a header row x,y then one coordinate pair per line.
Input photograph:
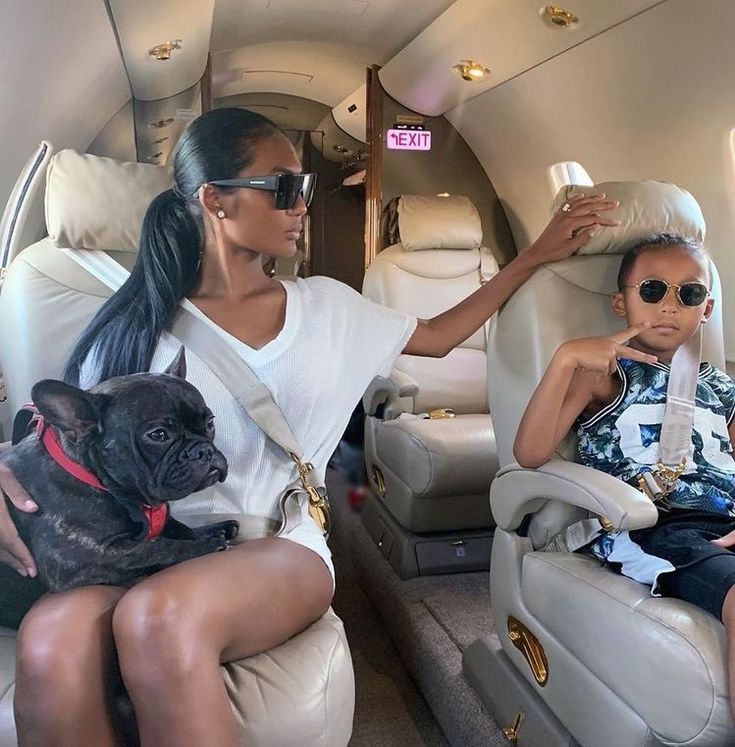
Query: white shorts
x,y
307,533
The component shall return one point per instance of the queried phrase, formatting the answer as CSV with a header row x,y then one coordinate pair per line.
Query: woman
x,y
316,344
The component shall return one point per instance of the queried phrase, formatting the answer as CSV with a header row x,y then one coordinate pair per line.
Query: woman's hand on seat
x,y
571,227
13,550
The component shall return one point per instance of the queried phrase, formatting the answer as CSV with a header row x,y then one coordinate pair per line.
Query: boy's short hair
x,y
653,242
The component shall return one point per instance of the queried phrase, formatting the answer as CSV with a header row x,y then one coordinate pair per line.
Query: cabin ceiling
x,y
317,49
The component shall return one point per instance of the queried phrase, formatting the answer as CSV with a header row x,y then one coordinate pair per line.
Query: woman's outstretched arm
x,y
566,232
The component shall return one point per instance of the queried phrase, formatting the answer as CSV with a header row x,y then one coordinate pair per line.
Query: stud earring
x,y
220,213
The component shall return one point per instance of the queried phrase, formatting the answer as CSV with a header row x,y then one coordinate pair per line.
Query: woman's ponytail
x,y
125,331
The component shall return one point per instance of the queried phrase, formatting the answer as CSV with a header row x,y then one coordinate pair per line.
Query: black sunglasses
x,y
287,187
653,290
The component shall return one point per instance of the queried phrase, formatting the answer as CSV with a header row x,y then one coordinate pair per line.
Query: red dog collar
x,y
156,516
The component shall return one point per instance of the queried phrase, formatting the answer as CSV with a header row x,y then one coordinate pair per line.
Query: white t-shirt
x,y
332,344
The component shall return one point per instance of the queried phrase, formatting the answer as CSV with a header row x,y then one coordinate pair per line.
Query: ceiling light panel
x,y
509,37
142,25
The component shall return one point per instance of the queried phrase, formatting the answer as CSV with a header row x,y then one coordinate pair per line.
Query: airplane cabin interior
x,y
444,135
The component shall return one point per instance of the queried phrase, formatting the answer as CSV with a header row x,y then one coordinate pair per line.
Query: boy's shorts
x,y
704,573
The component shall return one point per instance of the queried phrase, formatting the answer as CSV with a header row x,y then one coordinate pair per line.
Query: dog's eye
x,y
210,423
159,435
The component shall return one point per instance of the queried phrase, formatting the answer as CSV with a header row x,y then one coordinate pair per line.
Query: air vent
x,y
160,123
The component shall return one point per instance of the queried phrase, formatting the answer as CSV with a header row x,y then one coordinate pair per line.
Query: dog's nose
x,y
203,452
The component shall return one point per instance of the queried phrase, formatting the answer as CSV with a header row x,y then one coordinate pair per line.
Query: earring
x,y
220,213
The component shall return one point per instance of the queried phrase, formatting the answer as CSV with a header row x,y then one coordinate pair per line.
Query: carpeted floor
x,y
429,620
389,709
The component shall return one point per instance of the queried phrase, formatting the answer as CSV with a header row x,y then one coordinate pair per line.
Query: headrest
x,y
99,203
646,207
429,222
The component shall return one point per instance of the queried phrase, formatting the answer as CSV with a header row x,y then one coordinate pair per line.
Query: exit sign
x,y
409,140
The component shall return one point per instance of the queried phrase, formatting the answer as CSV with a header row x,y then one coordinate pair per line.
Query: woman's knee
x,y
64,648
62,630
157,632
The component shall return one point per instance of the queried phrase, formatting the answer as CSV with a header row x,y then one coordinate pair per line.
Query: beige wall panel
x,y
117,138
62,79
653,98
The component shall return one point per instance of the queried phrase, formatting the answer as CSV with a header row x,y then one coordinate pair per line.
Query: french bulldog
x,y
102,467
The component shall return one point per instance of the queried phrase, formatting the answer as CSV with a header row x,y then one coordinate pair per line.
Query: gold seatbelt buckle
x,y
319,508
648,485
661,481
318,500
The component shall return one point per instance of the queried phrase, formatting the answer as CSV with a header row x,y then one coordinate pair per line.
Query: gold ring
x,y
566,207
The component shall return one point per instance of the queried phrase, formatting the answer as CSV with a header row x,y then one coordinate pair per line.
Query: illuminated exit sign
x,y
409,140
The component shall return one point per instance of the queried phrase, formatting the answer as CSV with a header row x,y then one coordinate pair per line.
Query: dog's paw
x,y
224,530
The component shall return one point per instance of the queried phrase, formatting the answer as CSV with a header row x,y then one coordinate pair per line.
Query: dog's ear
x,y
72,410
177,367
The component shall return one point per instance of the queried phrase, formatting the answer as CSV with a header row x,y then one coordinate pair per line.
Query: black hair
x,y
652,243
125,331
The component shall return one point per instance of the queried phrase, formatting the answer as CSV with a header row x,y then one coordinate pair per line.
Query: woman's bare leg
x,y
174,629
66,670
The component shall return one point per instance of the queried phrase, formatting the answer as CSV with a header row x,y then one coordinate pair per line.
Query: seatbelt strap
x,y
676,430
675,440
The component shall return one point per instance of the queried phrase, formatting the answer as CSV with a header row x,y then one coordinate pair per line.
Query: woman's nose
x,y
300,207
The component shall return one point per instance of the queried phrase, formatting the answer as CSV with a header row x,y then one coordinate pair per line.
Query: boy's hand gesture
x,y
600,354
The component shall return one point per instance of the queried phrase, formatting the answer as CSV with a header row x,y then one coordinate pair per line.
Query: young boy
x,y
614,389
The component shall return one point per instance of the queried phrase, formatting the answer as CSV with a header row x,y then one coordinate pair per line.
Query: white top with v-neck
x,y
333,342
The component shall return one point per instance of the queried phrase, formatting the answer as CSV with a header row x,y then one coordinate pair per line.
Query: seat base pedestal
x,y
505,693
426,554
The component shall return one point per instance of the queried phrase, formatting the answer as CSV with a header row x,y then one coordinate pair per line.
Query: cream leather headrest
x,y
646,207
438,223
99,203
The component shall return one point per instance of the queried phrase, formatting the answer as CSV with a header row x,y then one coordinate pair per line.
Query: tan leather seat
x,y
621,667
432,473
301,692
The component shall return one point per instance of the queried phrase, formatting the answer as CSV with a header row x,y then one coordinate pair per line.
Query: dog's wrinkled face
x,y
167,432
151,434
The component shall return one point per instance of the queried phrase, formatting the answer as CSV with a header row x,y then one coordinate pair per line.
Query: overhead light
x,y
164,50
471,70
443,194
559,16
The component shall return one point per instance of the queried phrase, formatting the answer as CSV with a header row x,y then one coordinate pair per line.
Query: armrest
x,y
388,391
517,491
